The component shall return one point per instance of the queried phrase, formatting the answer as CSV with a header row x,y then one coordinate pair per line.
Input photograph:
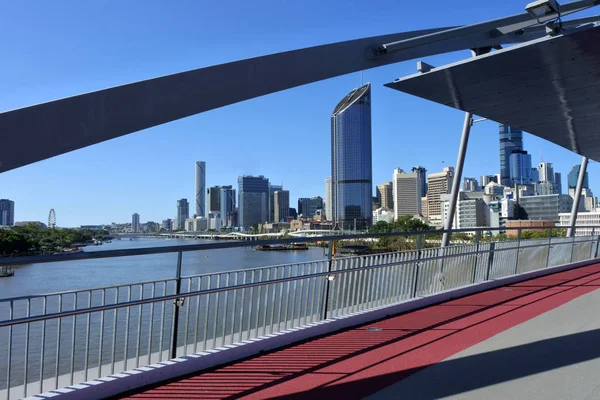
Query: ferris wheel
x,y
52,219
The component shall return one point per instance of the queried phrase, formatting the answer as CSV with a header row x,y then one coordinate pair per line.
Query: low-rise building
x,y
383,214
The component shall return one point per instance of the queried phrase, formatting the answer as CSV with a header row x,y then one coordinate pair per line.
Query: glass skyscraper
x,y
510,140
574,175
351,164
227,203
253,204
520,168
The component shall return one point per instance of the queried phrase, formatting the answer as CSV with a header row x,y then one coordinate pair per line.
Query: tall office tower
x,y
510,140
328,199
200,188
213,199
439,183
227,203
535,175
351,163
316,203
183,213
304,207
470,185
520,168
422,174
272,190
7,212
407,193
546,172
571,178
253,203
282,205
135,222
485,179
557,183
385,195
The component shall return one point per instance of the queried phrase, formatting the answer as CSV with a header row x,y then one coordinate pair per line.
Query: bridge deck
x,y
530,340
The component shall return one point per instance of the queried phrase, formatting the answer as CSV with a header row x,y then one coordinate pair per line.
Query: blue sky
x,y
62,48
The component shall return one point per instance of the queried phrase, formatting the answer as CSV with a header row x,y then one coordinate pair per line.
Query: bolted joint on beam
x,y
372,53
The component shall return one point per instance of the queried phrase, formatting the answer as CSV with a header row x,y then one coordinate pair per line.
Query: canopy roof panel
x,y
549,87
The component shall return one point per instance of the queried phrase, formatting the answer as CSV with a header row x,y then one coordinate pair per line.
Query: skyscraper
x,y
7,212
520,168
328,199
485,179
213,199
183,213
546,172
407,193
304,207
385,195
272,190
135,222
316,203
351,164
282,205
227,203
557,183
422,174
200,188
470,185
510,140
571,178
439,183
253,204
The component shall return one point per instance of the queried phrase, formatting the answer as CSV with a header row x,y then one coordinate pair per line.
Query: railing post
x,y
476,258
490,260
328,281
176,304
518,249
416,278
549,246
597,243
573,234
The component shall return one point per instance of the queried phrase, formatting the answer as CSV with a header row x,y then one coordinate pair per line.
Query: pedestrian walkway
x,y
534,339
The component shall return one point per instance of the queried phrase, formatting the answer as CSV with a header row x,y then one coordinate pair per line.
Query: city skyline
x,y
406,130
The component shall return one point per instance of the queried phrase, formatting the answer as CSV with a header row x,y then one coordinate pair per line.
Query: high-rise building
x,y
135,222
520,168
572,178
557,183
485,179
406,189
535,175
316,203
183,213
200,190
328,199
304,207
282,205
293,213
253,203
272,190
546,207
7,212
470,185
439,183
227,203
213,199
385,195
546,172
351,163
510,140
422,175
167,224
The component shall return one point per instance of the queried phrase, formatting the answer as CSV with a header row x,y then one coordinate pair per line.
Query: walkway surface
x,y
532,340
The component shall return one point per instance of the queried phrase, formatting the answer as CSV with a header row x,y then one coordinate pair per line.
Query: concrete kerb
x,y
171,369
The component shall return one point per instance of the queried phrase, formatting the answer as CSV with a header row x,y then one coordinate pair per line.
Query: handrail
x,y
176,296
235,244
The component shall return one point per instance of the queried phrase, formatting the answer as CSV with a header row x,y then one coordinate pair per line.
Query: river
x,y
73,275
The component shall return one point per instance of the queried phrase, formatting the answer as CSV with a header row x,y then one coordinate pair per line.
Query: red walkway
x,y
358,362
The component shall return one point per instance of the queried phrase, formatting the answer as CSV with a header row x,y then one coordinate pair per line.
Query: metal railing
x,y
59,339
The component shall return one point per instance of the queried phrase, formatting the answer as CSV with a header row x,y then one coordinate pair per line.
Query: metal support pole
x,y
575,209
176,304
460,161
328,281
